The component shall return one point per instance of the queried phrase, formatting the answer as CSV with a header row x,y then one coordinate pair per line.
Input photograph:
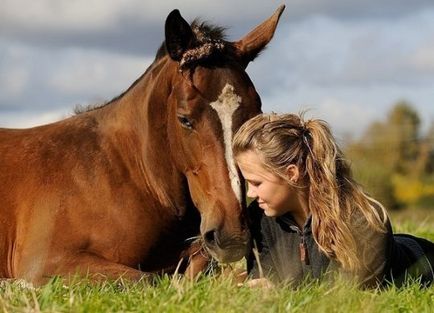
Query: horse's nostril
x,y
210,237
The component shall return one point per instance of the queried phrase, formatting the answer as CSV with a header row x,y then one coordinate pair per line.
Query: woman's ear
x,y
293,173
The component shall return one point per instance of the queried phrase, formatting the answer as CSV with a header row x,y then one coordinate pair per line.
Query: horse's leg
x,y
95,268
198,260
197,263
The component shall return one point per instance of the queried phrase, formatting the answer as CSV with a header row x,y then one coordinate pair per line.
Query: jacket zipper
x,y
304,255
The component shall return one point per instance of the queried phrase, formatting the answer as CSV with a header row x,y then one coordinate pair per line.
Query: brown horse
x,y
119,189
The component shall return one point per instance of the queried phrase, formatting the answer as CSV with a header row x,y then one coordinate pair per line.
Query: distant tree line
x,y
394,161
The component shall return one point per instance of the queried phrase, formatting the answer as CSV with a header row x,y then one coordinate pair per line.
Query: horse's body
x,y
120,189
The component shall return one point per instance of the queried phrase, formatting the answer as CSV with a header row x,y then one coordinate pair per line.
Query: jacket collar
x,y
287,222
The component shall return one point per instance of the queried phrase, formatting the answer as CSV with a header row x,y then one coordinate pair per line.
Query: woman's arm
x,y
373,251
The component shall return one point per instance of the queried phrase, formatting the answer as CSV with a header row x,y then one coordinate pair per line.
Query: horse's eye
x,y
185,122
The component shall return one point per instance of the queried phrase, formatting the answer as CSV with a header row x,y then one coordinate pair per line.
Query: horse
x,y
122,189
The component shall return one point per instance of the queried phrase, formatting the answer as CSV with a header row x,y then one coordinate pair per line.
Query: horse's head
x,y
211,96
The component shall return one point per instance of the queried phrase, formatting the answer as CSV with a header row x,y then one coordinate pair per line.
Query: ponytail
x,y
334,238
334,196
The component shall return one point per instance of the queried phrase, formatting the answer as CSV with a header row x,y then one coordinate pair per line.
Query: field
x,y
220,294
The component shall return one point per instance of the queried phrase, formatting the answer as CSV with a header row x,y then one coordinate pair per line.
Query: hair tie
x,y
305,135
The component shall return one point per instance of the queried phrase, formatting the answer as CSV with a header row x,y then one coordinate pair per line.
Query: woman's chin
x,y
269,213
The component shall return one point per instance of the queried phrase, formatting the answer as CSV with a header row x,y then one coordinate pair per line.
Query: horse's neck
x,y
137,121
145,97
132,113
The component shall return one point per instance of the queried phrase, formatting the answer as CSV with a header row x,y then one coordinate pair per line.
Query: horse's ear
x,y
250,45
179,35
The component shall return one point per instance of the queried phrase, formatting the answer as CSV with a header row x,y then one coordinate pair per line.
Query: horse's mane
x,y
210,47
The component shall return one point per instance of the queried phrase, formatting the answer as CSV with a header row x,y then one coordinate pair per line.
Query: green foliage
x,y
414,191
376,179
403,125
394,162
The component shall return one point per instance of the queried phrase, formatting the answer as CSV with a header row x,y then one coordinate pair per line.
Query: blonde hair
x,y
333,195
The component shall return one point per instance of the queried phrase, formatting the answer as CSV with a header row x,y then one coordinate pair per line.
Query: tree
x,y
403,124
386,149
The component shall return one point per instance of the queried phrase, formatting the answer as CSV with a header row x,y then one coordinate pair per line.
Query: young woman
x,y
310,217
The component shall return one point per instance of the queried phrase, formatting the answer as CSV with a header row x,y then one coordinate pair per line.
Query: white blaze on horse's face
x,y
225,106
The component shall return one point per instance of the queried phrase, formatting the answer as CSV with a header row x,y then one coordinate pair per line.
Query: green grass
x,y
418,222
220,294
210,295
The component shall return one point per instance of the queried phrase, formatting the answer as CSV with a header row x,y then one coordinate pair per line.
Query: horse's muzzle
x,y
227,249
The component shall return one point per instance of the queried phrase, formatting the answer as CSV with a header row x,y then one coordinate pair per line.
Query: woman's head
x,y
268,152
305,155
287,140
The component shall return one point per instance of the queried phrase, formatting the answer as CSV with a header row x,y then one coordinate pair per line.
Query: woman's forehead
x,y
249,159
253,168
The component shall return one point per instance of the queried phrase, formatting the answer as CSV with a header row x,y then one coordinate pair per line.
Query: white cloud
x,y
327,52
31,118
61,15
95,73
99,14
39,86
349,110
14,74
423,57
130,26
341,59
13,81
346,115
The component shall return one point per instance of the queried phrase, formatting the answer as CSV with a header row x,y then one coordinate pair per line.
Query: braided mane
x,y
209,44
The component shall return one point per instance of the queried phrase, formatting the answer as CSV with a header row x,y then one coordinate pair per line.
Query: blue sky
x,y
347,62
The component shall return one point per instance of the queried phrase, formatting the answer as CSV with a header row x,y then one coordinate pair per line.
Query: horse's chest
x,y
142,240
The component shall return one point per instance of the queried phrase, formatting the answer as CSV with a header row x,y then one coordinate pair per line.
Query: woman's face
x,y
274,195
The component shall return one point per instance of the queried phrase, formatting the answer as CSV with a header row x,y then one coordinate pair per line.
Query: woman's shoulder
x,y
362,219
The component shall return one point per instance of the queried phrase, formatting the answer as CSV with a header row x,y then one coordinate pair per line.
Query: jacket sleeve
x,y
373,251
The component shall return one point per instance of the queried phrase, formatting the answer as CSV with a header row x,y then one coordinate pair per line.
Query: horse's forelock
x,y
206,32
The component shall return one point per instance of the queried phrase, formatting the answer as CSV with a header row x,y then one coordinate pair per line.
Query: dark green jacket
x,y
286,253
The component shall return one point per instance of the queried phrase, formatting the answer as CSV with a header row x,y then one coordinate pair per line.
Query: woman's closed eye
x,y
254,183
